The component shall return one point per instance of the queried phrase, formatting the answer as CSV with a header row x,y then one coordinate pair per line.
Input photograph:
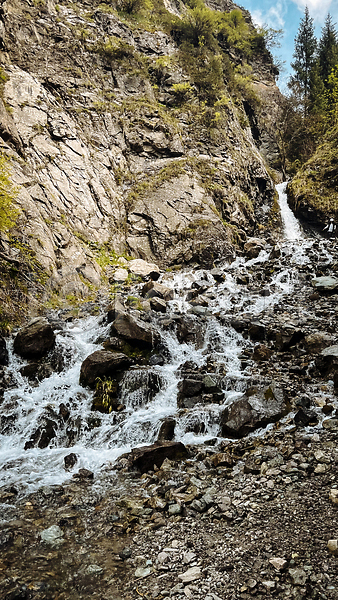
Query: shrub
x,y
133,6
182,92
116,49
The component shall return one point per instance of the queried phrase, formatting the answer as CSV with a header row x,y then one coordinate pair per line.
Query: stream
x,y
98,439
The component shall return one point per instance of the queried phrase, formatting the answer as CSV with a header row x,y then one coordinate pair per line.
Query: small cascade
x,y
43,421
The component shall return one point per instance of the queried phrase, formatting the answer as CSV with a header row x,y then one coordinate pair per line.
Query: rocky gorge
x,y
238,497
168,345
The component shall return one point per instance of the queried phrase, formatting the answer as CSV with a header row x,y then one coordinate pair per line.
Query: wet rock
x,y
188,388
304,417
253,247
158,305
3,352
36,371
134,330
70,460
156,359
102,364
325,284
143,269
35,339
261,353
315,342
257,331
217,274
167,430
251,412
84,474
146,457
157,290
287,338
43,435
327,360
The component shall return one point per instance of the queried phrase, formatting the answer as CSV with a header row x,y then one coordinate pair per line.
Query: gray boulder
x,y
134,330
143,269
35,339
250,412
102,363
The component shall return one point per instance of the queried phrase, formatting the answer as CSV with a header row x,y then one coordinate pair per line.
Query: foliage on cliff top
x,y
316,183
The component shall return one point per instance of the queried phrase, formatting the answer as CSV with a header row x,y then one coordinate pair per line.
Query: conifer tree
x,y
328,50
305,56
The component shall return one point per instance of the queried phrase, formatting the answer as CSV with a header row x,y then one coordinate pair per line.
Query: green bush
x,y
133,6
8,213
116,49
182,92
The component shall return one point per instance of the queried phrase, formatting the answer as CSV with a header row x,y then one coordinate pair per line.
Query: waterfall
x,y
98,439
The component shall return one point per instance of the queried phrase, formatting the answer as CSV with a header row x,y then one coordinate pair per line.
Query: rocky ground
x,y
255,516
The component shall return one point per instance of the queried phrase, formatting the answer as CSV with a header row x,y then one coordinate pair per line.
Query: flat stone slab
x,y
325,283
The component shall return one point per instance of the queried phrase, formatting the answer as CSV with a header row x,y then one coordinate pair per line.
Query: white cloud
x,y
318,9
274,17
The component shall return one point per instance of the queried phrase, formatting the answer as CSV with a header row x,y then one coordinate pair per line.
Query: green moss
x,y
171,171
8,194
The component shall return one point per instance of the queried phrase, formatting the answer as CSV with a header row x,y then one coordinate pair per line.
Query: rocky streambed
x,y
223,382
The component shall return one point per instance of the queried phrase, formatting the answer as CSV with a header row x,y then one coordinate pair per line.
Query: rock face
x,y
3,352
34,340
102,364
102,161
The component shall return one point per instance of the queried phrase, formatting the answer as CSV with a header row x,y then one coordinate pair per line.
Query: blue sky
x,y
286,15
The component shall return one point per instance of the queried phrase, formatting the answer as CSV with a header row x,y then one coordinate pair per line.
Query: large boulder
x,y
253,247
35,339
146,457
327,360
134,330
157,290
102,363
250,412
143,269
3,352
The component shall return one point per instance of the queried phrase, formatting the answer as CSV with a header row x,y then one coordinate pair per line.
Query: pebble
x,y
191,575
333,496
278,563
333,547
53,536
298,576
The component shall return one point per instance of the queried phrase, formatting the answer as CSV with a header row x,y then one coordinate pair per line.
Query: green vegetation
x,y
105,395
307,137
8,193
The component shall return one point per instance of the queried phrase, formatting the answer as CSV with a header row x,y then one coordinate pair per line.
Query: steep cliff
x,y
125,136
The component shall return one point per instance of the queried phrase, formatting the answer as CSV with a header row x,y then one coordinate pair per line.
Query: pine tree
x,y
328,50
305,56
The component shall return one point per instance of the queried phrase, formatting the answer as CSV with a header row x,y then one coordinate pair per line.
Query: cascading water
x,y
98,439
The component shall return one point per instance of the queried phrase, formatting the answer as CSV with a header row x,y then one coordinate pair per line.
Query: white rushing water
x,y
98,439
292,228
